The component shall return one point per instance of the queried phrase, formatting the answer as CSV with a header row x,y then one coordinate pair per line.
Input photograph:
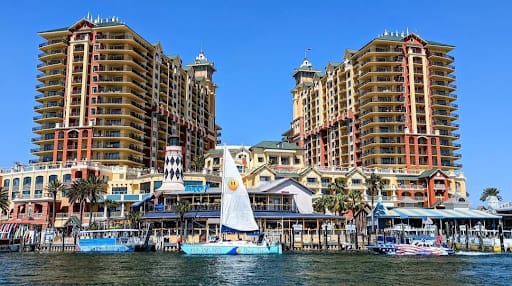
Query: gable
x,y
415,40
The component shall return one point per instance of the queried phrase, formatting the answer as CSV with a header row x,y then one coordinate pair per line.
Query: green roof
x,y
439,44
276,145
389,37
429,173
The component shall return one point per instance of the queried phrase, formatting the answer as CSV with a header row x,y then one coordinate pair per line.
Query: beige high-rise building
x,y
390,104
107,95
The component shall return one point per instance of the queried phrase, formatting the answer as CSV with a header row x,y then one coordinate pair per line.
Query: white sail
x,y
236,212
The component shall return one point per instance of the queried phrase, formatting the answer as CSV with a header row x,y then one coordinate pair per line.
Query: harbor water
x,y
287,269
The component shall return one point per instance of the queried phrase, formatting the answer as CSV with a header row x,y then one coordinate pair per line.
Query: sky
x,y
256,45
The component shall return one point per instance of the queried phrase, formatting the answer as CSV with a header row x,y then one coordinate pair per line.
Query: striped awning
x,y
437,213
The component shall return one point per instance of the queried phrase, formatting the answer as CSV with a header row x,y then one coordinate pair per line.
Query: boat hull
x,y
231,248
409,249
103,245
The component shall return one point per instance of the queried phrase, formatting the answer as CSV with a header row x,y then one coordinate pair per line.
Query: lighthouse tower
x,y
173,167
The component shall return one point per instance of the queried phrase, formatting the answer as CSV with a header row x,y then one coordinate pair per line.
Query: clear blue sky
x,y
255,46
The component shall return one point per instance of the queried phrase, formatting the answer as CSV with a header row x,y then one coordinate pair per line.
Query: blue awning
x,y
421,213
139,203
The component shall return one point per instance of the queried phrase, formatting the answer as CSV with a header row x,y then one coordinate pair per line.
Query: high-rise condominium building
x,y
107,95
389,104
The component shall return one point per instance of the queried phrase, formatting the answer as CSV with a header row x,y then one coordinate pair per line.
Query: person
x,y
179,241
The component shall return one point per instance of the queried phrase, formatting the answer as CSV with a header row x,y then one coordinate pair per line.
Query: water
x,y
288,269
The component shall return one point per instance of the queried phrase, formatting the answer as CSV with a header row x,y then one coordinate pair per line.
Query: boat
x,y
110,240
236,217
414,245
11,235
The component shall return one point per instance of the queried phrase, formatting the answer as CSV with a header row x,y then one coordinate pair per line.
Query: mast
x,y
222,188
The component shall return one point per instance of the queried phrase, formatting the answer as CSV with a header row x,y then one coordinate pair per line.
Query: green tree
x,y
355,203
4,200
338,186
78,193
181,207
490,191
374,185
134,218
109,205
337,197
53,188
96,187
197,164
322,203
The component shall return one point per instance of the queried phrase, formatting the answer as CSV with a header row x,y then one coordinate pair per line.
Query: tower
x,y
173,167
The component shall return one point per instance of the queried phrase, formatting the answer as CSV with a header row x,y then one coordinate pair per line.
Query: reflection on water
x,y
288,269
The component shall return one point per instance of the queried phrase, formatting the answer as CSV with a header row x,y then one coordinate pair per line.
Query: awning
x,y
139,203
421,213
72,221
59,223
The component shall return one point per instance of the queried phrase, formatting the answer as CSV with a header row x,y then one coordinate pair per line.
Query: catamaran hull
x,y
231,249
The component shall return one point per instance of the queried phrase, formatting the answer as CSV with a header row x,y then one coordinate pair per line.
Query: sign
x,y
462,227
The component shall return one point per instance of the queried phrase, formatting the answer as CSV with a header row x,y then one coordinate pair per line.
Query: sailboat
x,y
236,216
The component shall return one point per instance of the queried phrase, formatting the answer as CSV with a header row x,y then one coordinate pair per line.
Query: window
x,y
356,181
260,159
52,178
265,178
39,181
119,190
311,180
6,183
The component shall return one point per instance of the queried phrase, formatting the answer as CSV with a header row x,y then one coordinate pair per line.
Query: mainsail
x,y
236,213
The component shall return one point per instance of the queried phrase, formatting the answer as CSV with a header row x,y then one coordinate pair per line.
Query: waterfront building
x,y
107,95
272,160
389,105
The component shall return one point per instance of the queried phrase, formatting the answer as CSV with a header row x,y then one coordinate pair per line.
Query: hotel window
x,y
6,183
119,190
39,181
66,179
52,178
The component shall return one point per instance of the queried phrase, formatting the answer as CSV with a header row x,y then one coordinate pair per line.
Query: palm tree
x,y
322,203
96,187
134,218
108,205
54,187
339,185
355,203
490,191
374,185
182,207
4,200
337,196
197,163
78,193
